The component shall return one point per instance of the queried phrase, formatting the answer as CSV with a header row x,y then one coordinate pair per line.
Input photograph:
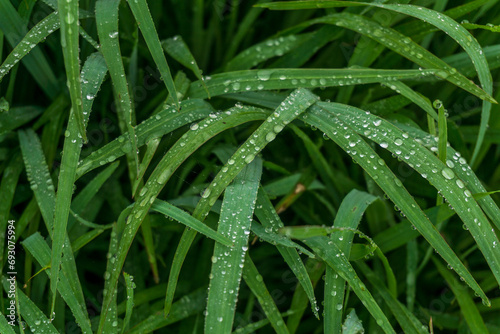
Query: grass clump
x,y
249,167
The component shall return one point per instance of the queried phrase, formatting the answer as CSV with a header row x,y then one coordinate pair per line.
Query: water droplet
x,y
448,173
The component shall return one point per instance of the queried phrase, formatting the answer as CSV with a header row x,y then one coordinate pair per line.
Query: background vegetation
x,y
340,157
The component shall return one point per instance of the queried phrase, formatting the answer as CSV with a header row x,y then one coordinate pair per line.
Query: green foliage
x,y
340,157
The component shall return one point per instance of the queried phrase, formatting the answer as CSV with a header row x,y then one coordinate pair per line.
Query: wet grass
x,y
250,166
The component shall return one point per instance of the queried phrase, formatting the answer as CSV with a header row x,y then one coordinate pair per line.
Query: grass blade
x,y
69,20
178,49
182,149
388,183
41,184
334,257
106,14
129,282
13,27
255,283
349,215
33,316
227,262
268,217
37,246
92,76
185,218
154,127
271,79
467,306
439,174
296,103
145,22
16,117
409,323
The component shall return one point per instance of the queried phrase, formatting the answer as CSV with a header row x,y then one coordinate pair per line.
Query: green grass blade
x,y
178,49
37,246
408,322
388,183
185,307
186,219
260,52
334,257
227,262
129,282
277,239
106,14
290,78
92,76
30,313
43,188
154,127
145,22
69,20
36,35
6,326
14,29
8,187
151,147
183,148
439,174
268,217
108,321
349,215
16,117
255,283
463,171
296,103
467,306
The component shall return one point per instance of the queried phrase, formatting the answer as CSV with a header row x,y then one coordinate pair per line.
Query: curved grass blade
x,y
290,78
349,215
92,76
469,44
151,147
260,52
108,321
255,283
185,307
439,174
463,171
268,217
5,326
393,187
178,49
228,262
468,308
185,218
16,117
277,239
181,150
408,322
8,187
36,35
69,20
145,22
390,184
14,28
33,316
334,257
295,104
42,186
129,283
444,23
154,127
106,14
37,246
